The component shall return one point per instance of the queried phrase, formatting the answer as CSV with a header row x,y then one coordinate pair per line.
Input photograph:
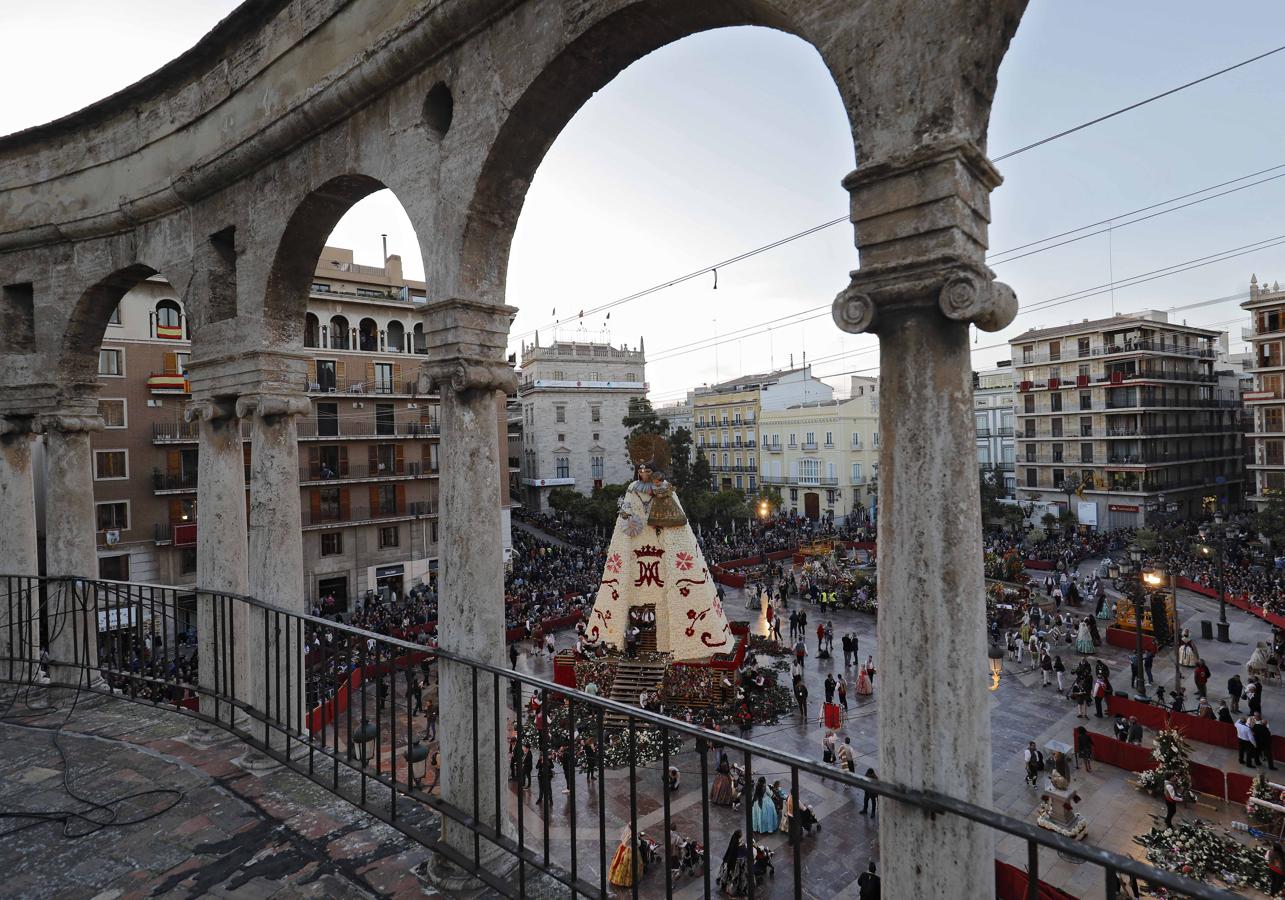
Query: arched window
x,y
421,340
396,337
169,320
338,333
368,335
311,331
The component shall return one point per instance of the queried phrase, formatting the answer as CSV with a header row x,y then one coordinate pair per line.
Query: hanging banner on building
x,y
1122,507
1087,512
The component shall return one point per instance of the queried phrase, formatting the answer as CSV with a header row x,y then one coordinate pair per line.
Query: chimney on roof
x,y
1253,287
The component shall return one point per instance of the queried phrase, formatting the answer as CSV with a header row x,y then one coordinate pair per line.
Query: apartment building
x,y
678,415
1265,400
574,397
369,451
726,417
1120,418
993,393
824,455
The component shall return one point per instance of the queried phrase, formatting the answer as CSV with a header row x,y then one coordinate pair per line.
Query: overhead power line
x,y
706,270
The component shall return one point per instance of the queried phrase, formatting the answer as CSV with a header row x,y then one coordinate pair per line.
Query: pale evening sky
x,y
734,138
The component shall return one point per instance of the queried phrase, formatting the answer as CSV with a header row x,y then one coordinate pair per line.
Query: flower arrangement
x,y
1261,790
764,646
1173,763
1198,850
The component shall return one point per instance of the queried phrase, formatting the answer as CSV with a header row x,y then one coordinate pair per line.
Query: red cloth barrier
x,y
1237,600
1207,731
1011,882
1133,757
1208,780
1238,786
1119,637
1152,717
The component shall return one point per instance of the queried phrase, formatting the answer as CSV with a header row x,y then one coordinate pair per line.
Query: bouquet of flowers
x,y
1173,763
1198,850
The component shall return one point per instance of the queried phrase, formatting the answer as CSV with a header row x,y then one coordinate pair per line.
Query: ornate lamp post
x,y
1214,546
995,655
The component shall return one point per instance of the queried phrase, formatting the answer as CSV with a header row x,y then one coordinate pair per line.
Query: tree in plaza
x,y
680,459
992,489
1050,522
768,498
1269,519
696,496
1012,518
642,419
603,505
1173,763
566,501
727,506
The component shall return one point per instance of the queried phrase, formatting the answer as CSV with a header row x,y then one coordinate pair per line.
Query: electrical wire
x,y
845,218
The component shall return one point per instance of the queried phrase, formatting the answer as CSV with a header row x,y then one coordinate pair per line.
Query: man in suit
x,y
868,884
1262,741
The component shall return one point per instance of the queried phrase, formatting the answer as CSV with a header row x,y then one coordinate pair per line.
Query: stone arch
x,y
295,258
339,333
396,332
78,356
367,335
553,97
419,342
311,331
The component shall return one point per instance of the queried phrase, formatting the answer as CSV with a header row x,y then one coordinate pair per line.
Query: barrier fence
x,y
124,640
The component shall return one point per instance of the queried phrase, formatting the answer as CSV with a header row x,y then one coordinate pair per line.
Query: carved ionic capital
x,y
959,291
14,426
60,422
463,375
210,410
272,405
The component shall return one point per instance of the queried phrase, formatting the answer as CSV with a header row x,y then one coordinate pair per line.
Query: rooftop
x,y
1148,319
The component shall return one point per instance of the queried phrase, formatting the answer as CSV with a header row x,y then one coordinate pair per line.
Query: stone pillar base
x,y
444,876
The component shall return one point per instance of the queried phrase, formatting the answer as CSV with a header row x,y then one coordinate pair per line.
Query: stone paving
x,y
276,834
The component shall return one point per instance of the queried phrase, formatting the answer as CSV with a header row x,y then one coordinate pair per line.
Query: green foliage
x,y
680,459
1269,519
1050,522
565,500
769,494
1147,539
604,504
1011,517
728,505
992,489
642,419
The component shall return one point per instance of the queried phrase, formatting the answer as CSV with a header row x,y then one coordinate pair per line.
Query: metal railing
x,y
364,427
337,705
350,472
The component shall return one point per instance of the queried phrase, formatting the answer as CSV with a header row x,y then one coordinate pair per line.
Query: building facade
x,y
824,456
574,397
678,415
1121,418
993,393
727,414
1265,401
368,452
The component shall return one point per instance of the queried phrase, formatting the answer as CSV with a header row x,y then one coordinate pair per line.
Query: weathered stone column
x,y
920,224
19,607
466,342
221,549
276,555
71,542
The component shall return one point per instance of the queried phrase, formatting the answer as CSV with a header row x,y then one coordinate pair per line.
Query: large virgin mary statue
x,y
655,577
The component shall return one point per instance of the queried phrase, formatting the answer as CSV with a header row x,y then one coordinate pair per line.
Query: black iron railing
x,y
341,706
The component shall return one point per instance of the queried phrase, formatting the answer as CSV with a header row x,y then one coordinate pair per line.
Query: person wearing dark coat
x,y
1263,741
868,884
1234,689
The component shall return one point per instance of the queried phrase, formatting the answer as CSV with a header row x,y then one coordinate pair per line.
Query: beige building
x,y
993,393
725,420
368,453
824,456
1265,401
574,398
1124,417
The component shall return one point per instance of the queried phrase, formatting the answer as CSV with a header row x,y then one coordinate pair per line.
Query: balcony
x,y
416,510
772,448
809,445
165,483
312,428
1140,346
310,477
168,383
178,534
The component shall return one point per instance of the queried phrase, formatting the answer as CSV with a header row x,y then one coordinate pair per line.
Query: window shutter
x,y
345,505
171,363
397,376
374,499
314,463
370,373
173,463
314,501
399,464
401,500
343,461
312,372
372,460
340,382
426,457
176,510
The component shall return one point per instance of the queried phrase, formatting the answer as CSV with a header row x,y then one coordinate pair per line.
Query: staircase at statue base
x,y
631,679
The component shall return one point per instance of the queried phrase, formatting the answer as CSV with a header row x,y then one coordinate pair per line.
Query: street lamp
x,y
1218,551
1157,581
1139,672
995,655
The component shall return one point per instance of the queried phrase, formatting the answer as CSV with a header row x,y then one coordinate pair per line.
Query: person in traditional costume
x,y
1187,655
734,873
763,817
864,686
721,791
1084,638
625,865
